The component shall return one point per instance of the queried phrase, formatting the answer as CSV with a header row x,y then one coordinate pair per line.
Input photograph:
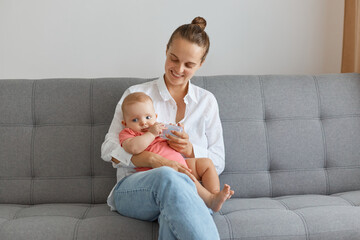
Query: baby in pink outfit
x,y
158,146
141,133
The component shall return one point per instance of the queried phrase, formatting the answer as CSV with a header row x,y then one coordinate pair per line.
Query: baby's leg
x,y
204,170
210,192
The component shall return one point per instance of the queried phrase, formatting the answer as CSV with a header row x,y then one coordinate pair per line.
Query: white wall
x,y
104,38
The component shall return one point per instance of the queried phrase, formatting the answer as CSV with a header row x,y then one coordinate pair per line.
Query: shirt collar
x,y
164,92
191,93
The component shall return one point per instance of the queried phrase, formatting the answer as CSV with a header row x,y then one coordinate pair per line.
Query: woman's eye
x,y
134,120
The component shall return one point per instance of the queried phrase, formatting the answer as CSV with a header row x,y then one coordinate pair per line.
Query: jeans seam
x,y
133,190
171,226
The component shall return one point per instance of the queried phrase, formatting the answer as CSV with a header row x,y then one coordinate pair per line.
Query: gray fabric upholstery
x,y
70,221
292,157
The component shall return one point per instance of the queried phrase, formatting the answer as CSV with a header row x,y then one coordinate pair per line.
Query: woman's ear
x,y
123,123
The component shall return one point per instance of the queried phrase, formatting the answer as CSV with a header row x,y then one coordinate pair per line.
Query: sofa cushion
x,y
291,217
288,217
70,221
289,134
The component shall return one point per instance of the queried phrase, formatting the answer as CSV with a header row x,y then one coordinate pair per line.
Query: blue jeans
x,y
169,196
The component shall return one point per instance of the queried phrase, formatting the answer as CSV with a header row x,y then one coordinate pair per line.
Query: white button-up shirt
x,y
201,122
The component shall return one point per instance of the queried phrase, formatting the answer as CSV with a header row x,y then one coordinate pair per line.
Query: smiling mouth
x,y
144,129
176,75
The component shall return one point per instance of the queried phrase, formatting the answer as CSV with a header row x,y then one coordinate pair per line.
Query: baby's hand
x,y
156,129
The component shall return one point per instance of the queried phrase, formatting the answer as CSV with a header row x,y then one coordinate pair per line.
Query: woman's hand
x,y
153,160
175,165
181,142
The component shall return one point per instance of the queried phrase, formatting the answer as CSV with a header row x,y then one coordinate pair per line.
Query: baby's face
x,y
139,116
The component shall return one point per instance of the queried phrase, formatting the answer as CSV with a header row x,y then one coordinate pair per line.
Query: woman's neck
x,y
178,92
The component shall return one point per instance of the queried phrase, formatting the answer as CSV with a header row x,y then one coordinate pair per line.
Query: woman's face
x,y
183,59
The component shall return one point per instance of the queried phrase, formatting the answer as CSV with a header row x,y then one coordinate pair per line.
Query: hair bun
x,y
201,22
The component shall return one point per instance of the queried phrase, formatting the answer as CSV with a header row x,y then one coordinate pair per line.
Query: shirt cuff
x,y
200,152
124,157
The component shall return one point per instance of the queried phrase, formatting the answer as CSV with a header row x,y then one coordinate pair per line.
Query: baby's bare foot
x,y
220,197
231,193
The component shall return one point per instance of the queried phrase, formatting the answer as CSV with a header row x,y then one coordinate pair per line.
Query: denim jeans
x,y
169,196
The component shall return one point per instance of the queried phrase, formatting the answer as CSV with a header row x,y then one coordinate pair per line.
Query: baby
x,y
141,133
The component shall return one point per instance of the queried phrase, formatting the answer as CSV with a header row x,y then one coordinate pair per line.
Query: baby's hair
x,y
194,33
134,98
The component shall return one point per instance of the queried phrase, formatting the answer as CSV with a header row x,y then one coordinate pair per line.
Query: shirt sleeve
x,y
111,147
200,152
126,133
214,134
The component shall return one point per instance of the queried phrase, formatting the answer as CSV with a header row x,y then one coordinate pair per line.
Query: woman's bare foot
x,y
220,197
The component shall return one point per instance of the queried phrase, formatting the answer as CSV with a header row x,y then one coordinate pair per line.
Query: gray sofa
x,y
292,157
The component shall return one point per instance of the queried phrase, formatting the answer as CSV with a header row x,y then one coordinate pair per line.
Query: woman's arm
x,y
214,137
114,160
111,149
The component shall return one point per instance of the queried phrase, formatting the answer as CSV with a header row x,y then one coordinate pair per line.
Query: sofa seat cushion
x,y
70,221
288,217
291,217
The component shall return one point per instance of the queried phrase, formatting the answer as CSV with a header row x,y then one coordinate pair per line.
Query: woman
x,y
167,192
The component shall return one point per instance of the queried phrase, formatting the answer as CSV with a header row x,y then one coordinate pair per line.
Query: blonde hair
x,y
134,98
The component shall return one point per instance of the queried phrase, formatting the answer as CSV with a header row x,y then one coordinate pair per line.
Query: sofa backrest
x,y
283,135
288,135
51,133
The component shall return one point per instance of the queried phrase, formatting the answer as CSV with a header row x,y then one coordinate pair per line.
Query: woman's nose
x,y
179,68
